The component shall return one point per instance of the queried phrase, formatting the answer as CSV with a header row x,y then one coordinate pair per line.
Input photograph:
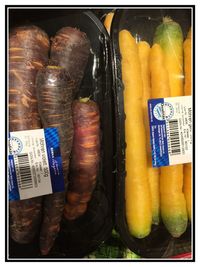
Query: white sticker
x,y
171,130
32,162
179,130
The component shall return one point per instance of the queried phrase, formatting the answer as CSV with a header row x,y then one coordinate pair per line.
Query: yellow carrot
x,y
187,188
188,64
173,205
153,173
137,192
169,36
159,75
108,21
187,183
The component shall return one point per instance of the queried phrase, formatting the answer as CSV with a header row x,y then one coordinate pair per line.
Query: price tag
x,y
35,164
170,121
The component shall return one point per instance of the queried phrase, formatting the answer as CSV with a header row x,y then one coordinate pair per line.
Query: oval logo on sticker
x,y
16,145
163,111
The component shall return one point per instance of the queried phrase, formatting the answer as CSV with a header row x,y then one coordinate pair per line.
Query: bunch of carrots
x,y
154,72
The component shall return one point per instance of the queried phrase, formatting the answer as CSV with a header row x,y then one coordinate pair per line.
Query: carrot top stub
x,y
84,99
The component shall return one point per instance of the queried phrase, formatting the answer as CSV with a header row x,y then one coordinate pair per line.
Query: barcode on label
x,y
24,178
173,137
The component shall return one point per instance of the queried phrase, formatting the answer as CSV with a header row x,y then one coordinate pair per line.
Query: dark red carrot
x,y
70,49
28,52
85,158
72,212
54,91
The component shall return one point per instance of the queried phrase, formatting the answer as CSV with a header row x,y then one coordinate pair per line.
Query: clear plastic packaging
x,y
141,23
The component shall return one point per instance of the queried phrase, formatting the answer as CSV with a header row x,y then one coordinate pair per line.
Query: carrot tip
x,y
44,252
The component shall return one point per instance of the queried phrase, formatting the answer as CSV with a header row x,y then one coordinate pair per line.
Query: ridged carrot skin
x,y
153,173
137,191
108,21
28,53
85,157
70,48
187,183
54,93
173,205
170,37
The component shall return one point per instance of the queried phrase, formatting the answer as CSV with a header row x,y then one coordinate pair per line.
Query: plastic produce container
x,y
142,24
83,235
103,73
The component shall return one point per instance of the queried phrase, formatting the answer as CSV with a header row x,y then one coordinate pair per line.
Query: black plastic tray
x,y
142,22
76,239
